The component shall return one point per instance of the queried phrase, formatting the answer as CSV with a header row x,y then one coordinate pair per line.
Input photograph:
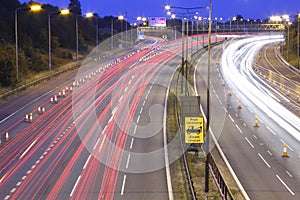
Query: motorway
x,y
254,153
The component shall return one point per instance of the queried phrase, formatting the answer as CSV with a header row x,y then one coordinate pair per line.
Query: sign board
x,y
141,35
194,130
158,21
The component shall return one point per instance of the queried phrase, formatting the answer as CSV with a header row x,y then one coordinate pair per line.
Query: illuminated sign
x,y
158,21
194,130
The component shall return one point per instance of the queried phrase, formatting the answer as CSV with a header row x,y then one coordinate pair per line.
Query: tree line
x,y
33,38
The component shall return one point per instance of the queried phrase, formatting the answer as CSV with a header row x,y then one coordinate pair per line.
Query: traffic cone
x,y
67,89
0,142
26,118
6,136
285,154
30,118
55,99
43,110
51,99
39,110
256,122
63,93
298,99
59,93
223,83
239,106
229,92
71,89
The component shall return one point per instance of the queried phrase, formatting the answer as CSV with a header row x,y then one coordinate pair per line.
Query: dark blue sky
x,y
221,8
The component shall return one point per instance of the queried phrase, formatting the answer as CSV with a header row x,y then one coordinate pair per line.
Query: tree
x,y
75,7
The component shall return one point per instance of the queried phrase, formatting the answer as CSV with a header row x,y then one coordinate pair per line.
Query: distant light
x,y
89,15
167,7
234,18
275,18
64,11
35,7
135,24
173,16
120,17
199,18
221,18
139,18
169,13
286,17
144,19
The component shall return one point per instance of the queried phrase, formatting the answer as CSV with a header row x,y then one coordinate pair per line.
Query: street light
x,y
90,15
62,12
33,8
298,38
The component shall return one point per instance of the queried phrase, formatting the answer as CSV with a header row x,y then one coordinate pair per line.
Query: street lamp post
x,y
34,8
298,38
76,30
63,12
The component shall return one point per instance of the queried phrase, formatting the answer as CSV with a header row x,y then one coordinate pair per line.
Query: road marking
x,y
131,144
13,190
7,197
138,119
75,185
123,185
141,110
244,124
127,163
271,130
101,145
285,185
19,183
239,129
290,175
225,109
230,117
264,160
23,154
255,136
96,143
86,162
134,131
269,152
249,142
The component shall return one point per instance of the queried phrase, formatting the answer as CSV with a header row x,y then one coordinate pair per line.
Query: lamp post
x,y
298,38
62,12
33,8
91,15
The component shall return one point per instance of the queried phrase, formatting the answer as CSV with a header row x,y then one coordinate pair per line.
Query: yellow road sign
x,y
194,130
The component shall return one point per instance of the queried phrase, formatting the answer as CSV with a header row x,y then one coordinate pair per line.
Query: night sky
x,y
253,9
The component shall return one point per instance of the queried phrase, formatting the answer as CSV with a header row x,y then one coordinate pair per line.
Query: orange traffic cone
x,y
55,99
26,118
229,92
30,118
43,110
39,110
51,100
239,106
6,136
256,122
285,154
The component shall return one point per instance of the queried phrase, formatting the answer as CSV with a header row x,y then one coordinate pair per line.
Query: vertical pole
x,y
182,59
288,44
230,25
16,41
187,51
208,102
49,41
76,27
298,38
112,34
97,29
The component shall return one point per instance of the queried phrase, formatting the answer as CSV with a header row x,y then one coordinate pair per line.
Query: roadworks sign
x,y
194,130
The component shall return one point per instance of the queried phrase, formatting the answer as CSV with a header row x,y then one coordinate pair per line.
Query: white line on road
x,y
131,144
239,129
244,124
285,185
230,117
123,185
255,136
75,186
86,162
134,131
138,119
264,160
249,142
271,130
288,173
128,159
269,152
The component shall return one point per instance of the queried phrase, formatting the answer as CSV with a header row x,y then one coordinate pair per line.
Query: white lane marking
x,y
239,129
249,142
71,194
101,145
288,173
141,110
285,185
236,115
7,197
269,152
138,119
220,102
131,144
19,183
286,145
134,131
13,190
128,159
225,109
230,117
86,162
255,136
96,143
271,130
264,160
123,185
24,153
244,124
23,177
